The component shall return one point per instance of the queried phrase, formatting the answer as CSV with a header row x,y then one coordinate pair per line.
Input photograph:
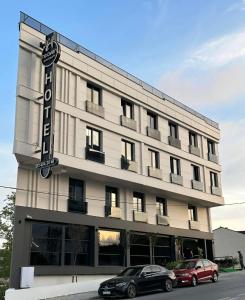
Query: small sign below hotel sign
x,y
50,56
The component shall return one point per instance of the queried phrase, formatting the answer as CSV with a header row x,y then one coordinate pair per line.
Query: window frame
x,y
211,146
172,166
214,179
161,206
124,104
94,87
81,184
110,190
139,205
154,162
152,119
195,139
124,144
173,129
192,213
194,169
93,146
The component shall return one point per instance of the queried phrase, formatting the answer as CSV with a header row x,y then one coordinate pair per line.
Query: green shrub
x,y
171,265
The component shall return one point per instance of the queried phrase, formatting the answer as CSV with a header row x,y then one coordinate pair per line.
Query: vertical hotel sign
x,y
50,56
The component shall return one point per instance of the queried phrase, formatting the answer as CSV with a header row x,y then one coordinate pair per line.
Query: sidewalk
x,y
82,296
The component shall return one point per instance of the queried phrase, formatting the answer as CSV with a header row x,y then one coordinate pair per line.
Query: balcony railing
x,y
177,179
95,155
129,165
154,133
113,212
129,123
174,142
77,206
213,157
95,109
194,150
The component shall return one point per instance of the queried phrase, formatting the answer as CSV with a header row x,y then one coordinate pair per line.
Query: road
x,y
231,286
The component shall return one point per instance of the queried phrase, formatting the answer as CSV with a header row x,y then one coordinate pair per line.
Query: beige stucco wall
x,y
71,119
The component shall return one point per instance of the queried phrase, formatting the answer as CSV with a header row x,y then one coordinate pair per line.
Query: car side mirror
x,y
198,267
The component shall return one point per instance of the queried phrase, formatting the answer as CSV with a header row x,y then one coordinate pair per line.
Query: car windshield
x,y
130,272
186,265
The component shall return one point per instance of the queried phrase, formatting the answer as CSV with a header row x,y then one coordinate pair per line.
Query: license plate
x,y
106,293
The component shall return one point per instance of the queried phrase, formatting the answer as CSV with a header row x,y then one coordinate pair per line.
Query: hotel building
x,y
138,171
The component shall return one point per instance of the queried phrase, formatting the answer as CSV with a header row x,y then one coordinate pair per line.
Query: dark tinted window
x,y
131,272
112,197
175,166
139,249
199,264
206,263
196,173
76,189
128,150
110,248
77,245
162,250
138,202
214,179
192,212
211,147
186,265
154,158
193,139
161,206
156,269
46,244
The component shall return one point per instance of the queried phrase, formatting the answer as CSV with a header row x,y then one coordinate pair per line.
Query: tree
x,y
6,232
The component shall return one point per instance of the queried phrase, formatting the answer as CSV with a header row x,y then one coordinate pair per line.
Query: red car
x,y
193,271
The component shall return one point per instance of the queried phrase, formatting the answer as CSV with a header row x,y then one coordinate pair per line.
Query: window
x,y
112,197
161,206
153,158
77,245
206,263
93,94
93,139
138,202
192,212
46,244
110,248
199,264
139,249
152,120
211,147
56,244
193,139
127,109
175,166
214,179
173,130
76,189
161,249
196,173
128,150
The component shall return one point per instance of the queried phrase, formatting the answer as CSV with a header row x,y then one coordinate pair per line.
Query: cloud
x,y
232,157
239,5
212,74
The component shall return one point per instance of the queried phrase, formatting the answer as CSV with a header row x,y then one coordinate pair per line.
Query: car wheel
x,y
168,285
194,281
131,291
215,277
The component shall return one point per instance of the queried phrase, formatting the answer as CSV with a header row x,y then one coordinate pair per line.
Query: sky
x,y
193,50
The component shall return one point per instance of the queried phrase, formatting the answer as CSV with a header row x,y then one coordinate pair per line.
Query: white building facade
x,y
138,171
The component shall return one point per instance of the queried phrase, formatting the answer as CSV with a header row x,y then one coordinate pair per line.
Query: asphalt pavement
x,y
231,286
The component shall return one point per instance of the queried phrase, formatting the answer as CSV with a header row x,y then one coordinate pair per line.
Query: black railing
x,y
107,210
124,163
77,206
95,155
26,19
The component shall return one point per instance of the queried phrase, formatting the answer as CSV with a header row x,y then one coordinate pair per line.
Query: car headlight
x,y
121,284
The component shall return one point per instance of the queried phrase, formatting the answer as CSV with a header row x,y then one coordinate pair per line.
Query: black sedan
x,y
138,280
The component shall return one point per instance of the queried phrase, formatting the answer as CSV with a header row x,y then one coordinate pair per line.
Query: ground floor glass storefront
x,y
57,244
